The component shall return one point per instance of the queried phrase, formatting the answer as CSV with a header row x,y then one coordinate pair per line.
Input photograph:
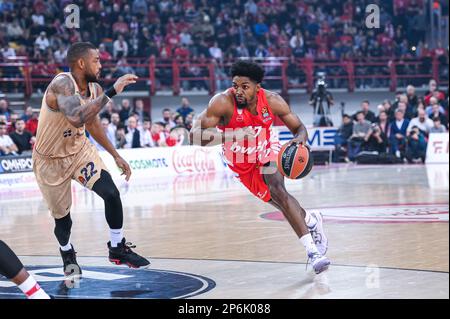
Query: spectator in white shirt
x,y
110,134
215,51
134,135
120,47
8,52
60,55
7,146
42,41
422,122
147,140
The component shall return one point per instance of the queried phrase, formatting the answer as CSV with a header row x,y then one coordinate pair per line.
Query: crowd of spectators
x,y
401,128
126,125
216,29
129,126
17,133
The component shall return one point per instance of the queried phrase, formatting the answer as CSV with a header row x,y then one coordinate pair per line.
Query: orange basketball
x,y
295,161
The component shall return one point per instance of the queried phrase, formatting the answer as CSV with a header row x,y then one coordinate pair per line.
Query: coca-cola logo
x,y
198,161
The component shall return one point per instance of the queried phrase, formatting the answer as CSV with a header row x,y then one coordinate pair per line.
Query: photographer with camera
x,y
416,146
377,142
322,117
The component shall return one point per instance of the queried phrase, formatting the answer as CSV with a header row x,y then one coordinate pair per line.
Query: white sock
x,y
308,243
32,289
310,220
116,236
66,247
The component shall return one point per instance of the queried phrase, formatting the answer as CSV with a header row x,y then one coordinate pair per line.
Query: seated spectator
x,y
147,140
105,56
167,118
389,109
7,146
121,136
139,109
32,124
109,132
108,110
368,114
27,114
422,122
433,91
185,108
179,121
125,110
122,68
402,106
398,134
177,136
377,142
120,47
4,109
416,146
22,138
60,54
437,126
413,100
342,136
189,121
114,122
434,101
360,135
158,134
384,123
11,126
133,136
436,112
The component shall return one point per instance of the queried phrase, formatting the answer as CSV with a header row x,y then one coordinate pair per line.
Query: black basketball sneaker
x,y
123,255
71,267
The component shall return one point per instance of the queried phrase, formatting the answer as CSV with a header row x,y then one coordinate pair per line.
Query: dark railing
x,y
281,73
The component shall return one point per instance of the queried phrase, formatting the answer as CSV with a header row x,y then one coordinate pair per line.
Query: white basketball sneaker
x,y
318,234
320,263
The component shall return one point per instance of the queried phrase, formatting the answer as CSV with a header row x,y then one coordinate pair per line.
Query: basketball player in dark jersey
x,y
240,119
63,153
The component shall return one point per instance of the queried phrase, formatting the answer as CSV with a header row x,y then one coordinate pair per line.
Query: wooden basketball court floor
x,y
207,237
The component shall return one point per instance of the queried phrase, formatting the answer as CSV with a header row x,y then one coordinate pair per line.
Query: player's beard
x,y
242,105
91,77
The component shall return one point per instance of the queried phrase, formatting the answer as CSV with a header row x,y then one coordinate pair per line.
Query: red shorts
x,y
255,183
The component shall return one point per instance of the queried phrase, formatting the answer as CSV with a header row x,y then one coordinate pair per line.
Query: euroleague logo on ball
x,y
295,161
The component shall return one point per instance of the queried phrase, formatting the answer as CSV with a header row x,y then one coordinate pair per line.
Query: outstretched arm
x,y
290,119
61,96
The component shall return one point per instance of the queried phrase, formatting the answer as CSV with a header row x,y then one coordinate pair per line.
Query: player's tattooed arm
x,y
62,97
290,119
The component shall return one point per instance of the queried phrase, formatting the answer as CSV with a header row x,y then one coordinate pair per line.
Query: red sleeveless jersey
x,y
243,156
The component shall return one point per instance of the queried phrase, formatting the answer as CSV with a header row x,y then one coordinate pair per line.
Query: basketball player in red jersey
x,y
12,268
240,119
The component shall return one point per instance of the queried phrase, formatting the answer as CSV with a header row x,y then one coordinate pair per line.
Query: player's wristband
x,y
110,92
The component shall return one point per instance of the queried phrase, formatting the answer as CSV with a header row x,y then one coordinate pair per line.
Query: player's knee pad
x,y
10,265
105,188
